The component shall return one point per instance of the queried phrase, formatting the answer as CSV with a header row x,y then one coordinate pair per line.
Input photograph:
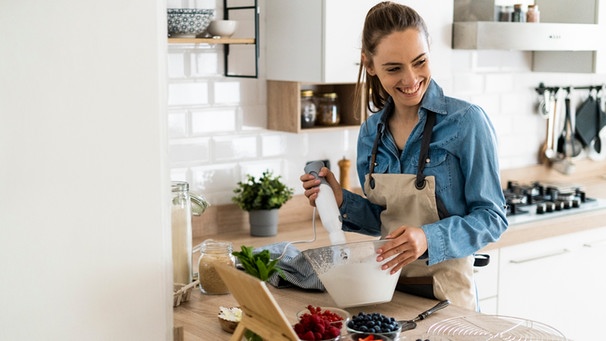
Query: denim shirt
x,y
463,160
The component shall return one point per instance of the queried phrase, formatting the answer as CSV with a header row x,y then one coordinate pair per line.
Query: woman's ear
x,y
368,65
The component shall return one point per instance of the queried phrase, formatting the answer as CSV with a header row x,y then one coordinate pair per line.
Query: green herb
x,y
260,264
266,193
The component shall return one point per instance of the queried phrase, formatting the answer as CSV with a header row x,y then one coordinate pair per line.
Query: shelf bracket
x,y
226,47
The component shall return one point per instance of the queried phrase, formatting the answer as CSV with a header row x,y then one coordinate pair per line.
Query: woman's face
x,y
401,62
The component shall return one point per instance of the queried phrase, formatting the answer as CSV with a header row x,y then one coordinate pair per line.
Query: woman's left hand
x,y
408,243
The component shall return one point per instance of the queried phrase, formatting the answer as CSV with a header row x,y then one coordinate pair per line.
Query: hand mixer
x,y
327,205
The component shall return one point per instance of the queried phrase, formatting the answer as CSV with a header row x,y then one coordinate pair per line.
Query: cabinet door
x,y
554,281
318,41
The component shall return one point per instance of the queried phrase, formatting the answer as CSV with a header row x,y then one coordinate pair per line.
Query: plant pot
x,y
263,223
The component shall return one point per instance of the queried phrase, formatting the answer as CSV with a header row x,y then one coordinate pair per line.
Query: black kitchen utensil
x,y
585,120
568,144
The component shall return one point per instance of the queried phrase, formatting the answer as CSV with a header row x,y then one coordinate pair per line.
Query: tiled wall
x,y
217,124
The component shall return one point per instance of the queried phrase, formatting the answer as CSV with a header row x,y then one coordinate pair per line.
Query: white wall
x,y
84,186
217,124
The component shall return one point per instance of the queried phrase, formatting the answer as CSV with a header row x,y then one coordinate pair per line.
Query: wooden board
x,y
260,311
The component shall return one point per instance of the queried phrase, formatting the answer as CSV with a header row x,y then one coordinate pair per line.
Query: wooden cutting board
x,y
260,311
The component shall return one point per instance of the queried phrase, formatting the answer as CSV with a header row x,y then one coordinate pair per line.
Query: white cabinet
x,y
487,279
558,281
318,41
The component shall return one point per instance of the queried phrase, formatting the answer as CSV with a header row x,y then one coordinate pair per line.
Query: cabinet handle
x,y
595,243
547,255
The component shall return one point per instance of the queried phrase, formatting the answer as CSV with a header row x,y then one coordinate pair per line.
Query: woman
x,y
427,163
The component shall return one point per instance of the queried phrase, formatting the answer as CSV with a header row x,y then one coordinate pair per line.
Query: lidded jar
x,y
328,109
181,233
308,109
212,253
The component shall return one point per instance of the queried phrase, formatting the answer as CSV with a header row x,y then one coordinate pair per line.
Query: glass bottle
x,y
181,233
214,252
533,14
328,110
308,109
518,14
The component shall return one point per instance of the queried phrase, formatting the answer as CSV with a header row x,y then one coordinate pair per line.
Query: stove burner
x,y
541,198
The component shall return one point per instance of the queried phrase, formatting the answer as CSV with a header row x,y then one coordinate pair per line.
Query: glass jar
x,y
533,14
328,109
181,233
214,252
308,109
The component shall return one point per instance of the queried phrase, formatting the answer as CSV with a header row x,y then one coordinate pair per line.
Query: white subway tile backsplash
x,y
187,93
227,91
273,145
217,177
217,125
205,62
213,120
177,124
235,148
189,151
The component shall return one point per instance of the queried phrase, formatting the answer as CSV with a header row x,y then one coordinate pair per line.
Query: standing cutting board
x,y
260,311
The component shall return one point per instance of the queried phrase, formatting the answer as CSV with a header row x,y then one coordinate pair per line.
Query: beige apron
x,y
405,204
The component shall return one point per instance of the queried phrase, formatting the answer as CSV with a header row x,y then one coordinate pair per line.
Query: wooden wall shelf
x,y
212,41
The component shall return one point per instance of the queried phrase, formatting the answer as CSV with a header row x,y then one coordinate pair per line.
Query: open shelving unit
x,y
226,42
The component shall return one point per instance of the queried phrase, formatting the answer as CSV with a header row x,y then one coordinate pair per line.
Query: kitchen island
x,y
198,316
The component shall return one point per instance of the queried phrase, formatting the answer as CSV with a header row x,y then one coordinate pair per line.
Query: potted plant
x,y
261,198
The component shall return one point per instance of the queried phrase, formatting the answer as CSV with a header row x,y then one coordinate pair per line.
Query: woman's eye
x,y
421,62
393,69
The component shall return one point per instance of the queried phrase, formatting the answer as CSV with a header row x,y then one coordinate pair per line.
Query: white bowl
x,y
222,28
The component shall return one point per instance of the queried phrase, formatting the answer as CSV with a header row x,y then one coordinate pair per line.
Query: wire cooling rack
x,y
494,328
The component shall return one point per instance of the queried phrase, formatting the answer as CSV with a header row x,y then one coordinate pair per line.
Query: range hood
x,y
493,35
566,40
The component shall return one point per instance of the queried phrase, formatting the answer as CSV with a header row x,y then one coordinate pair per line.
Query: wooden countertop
x,y
198,316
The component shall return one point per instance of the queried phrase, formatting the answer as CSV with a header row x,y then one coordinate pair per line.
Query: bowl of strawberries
x,y
320,323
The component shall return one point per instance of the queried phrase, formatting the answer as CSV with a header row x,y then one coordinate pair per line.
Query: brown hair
x,y
381,20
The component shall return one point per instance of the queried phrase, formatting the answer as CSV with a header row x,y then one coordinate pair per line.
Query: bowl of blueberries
x,y
381,327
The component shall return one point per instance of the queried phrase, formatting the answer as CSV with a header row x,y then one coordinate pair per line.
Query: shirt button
x,y
345,216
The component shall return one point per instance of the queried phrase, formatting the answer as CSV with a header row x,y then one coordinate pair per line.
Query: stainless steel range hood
x,y
492,35
566,40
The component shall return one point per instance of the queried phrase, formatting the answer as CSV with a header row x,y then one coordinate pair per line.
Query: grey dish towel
x,y
296,268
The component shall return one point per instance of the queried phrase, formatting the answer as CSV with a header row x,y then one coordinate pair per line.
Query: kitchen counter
x,y
198,317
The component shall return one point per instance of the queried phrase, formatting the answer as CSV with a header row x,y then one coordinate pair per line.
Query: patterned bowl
x,y
188,22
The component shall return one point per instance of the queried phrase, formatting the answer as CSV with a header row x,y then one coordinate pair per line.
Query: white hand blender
x,y
326,205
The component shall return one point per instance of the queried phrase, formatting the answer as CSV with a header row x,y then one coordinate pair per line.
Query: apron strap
x,y
373,155
424,154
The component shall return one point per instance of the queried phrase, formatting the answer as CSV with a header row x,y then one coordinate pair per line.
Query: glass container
x,y
181,233
212,253
308,109
328,110
518,15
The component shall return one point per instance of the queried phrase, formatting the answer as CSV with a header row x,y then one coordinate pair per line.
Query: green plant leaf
x,y
265,193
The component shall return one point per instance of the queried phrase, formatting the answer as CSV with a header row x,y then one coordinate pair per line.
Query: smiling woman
x,y
421,159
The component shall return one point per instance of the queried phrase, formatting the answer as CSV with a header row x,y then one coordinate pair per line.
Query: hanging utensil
x,y
585,119
547,109
568,144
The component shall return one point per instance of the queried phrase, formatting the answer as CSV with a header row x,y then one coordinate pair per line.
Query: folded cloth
x,y
297,270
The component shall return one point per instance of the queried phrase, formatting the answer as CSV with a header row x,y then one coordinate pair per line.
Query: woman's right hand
x,y
312,185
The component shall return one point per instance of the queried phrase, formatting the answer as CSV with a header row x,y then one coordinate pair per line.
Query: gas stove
x,y
528,202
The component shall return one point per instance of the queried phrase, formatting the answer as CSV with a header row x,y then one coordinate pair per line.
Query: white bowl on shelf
x,y
222,28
